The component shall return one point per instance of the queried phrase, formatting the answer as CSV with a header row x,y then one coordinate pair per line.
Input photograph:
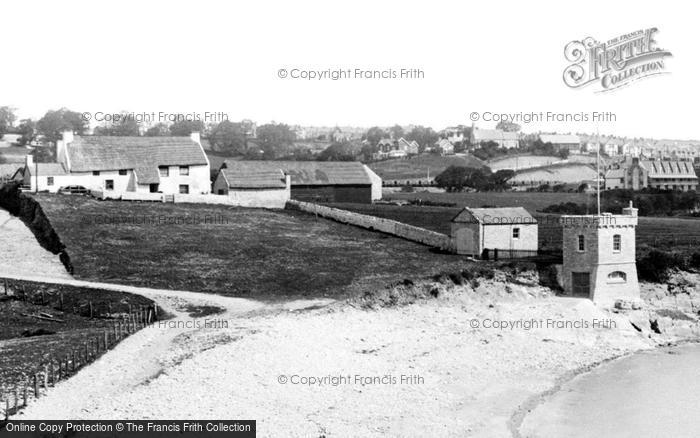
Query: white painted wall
x,y
197,180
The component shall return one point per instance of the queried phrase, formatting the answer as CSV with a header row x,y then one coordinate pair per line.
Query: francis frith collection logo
x,y
614,63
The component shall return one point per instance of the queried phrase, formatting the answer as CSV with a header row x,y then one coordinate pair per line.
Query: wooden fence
x,y
15,397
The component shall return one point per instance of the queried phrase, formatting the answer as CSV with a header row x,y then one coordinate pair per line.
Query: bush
x,y
695,260
656,266
566,208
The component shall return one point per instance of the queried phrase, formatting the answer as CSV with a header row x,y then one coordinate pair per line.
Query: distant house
x,y
251,186
410,147
444,147
454,134
389,148
503,139
320,181
511,229
637,174
572,143
115,166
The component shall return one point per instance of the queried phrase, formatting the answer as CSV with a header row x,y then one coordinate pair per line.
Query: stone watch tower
x,y
599,256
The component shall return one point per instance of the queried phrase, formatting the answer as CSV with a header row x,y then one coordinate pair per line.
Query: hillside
x,y
417,168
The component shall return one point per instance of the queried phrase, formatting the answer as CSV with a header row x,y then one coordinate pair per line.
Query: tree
x,y
55,122
183,128
454,178
425,137
396,132
228,137
374,134
7,119
27,131
507,126
158,130
338,151
125,126
275,139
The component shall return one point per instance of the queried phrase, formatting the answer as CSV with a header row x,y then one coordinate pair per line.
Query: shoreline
x,y
518,417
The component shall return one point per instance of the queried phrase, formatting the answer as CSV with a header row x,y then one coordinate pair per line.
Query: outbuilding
x,y
249,186
320,181
512,231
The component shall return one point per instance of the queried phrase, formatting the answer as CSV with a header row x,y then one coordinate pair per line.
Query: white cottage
x,y
123,167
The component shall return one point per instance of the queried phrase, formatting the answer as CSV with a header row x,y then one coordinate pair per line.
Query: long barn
x,y
321,181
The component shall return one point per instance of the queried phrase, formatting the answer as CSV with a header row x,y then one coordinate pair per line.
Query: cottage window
x,y
163,170
109,184
122,172
184,189
95,173
581,242
49,180
617,243
184,170
516,233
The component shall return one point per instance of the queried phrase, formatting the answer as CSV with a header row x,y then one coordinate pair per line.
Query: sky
x,y
223,56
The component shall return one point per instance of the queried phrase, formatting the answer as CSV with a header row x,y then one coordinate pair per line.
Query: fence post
x,y
25,395
46,378
106,340
36,386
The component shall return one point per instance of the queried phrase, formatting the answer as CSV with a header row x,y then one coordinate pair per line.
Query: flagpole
x,y
597,160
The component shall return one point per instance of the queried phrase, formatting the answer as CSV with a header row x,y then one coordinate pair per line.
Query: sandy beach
x,y
439,366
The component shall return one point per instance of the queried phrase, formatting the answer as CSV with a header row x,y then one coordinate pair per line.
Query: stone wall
x,y
395,228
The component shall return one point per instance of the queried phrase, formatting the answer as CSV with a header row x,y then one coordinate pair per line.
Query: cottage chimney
x,y
67,137
195,137
62,145
630,211
29,161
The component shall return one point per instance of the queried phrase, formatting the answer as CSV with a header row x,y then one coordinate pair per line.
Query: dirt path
x,y
20,252
145,355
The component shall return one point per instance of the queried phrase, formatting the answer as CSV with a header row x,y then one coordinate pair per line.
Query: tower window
x,y
617,277
581,242
617,243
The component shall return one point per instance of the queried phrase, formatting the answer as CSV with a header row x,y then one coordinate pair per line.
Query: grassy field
x,y
532,201
28,343
12,154
254,253
669,234
417,167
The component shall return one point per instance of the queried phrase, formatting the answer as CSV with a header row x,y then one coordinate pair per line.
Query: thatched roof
x,y
90,153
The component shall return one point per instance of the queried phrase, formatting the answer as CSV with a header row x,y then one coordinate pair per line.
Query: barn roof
x,y
312,173
241,176
88,153
495,216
